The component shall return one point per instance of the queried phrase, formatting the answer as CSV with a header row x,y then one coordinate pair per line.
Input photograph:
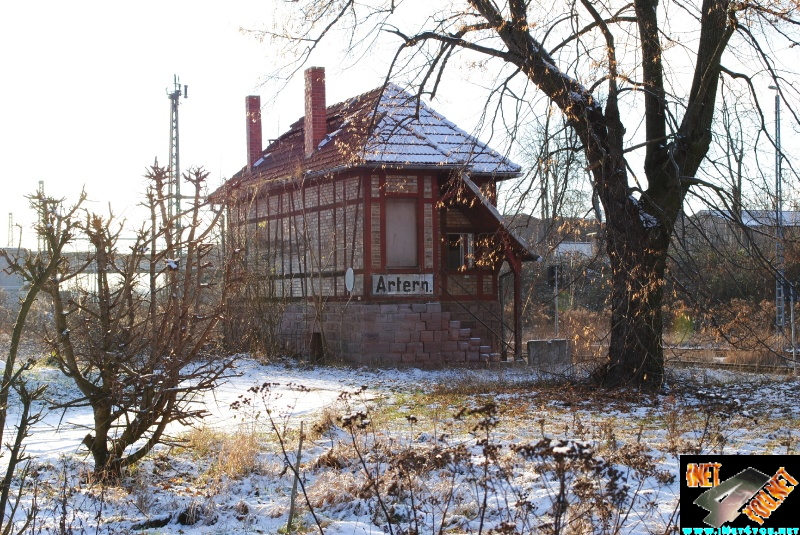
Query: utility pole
x,y
791,320
780,279
174,169
555,294
10,229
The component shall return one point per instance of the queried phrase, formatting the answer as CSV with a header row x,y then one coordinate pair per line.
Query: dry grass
x,y
233,455
202,441
333,487
586,332
764,354
471,385
326,422
741,333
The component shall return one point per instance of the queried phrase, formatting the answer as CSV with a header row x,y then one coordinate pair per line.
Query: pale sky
x,y
83,95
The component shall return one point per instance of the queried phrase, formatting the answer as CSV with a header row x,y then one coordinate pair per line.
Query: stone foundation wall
x,y
413,334
469,314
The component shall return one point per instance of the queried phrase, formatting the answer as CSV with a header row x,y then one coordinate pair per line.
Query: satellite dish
x,y
349,279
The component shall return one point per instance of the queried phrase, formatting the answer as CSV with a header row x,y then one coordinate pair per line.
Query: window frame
x,y
463,245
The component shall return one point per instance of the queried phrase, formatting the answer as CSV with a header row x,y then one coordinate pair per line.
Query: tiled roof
x,y
405,132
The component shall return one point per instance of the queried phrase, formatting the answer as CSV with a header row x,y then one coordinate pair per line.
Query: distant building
x,y
719,228
585,249
11,284
376,220
563,236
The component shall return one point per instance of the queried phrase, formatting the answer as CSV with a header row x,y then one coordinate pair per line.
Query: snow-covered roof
x,y
387,128
412,133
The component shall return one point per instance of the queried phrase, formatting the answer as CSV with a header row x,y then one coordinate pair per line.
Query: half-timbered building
x,y
374,223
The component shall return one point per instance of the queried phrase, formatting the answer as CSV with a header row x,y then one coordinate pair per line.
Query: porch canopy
x,y
484,214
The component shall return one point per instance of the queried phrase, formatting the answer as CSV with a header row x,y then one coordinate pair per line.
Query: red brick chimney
x,y
316,118
254,145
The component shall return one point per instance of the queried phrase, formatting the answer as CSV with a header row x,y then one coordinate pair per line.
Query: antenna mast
x,y
780,280
41,241
174,169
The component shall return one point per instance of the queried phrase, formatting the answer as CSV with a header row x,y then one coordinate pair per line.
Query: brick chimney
x,y
254,145
316,118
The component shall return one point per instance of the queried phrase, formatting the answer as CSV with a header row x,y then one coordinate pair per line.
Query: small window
x,y
460,251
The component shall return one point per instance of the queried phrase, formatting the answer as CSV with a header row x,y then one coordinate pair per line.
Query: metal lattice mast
x,y
780,280
41,243
174,169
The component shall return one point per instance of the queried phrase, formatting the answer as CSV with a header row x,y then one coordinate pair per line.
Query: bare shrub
x,y
134,342
37,271
256,308
141,492
587,332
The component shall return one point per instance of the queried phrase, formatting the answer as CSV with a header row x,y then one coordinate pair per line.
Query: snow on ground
x,y
297,392
415,431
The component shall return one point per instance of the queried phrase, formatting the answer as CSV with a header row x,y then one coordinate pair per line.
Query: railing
x,y
504,327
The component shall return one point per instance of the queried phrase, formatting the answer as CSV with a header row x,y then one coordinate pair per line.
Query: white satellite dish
x,y
349,279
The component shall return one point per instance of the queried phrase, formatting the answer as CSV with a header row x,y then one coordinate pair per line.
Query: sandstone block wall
x,y
413,334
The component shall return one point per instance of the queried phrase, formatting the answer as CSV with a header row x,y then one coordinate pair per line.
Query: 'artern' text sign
x,y
408,284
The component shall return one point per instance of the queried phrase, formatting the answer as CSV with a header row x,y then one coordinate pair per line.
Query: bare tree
x,y
131,334
37,270
603,65
255,312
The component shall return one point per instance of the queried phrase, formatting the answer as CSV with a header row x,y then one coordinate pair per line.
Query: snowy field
x,y
407,450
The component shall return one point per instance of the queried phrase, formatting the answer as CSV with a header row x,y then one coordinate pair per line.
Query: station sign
x,y
405,284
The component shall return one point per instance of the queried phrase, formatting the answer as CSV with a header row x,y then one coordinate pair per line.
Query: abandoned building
x,y
373,230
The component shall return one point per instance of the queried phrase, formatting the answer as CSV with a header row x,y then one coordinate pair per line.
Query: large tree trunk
x,y
635,355
638,234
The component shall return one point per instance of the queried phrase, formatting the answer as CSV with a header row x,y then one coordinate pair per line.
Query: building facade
x,y
372,226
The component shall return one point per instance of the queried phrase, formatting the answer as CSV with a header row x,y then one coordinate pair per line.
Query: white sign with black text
x,y
406,284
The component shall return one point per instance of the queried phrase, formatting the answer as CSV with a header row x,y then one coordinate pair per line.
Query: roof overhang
x,y
487,212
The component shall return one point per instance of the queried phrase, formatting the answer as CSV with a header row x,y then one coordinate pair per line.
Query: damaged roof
x,y
386,127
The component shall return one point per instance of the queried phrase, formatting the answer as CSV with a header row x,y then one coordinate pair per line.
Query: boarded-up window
x,y
401,233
